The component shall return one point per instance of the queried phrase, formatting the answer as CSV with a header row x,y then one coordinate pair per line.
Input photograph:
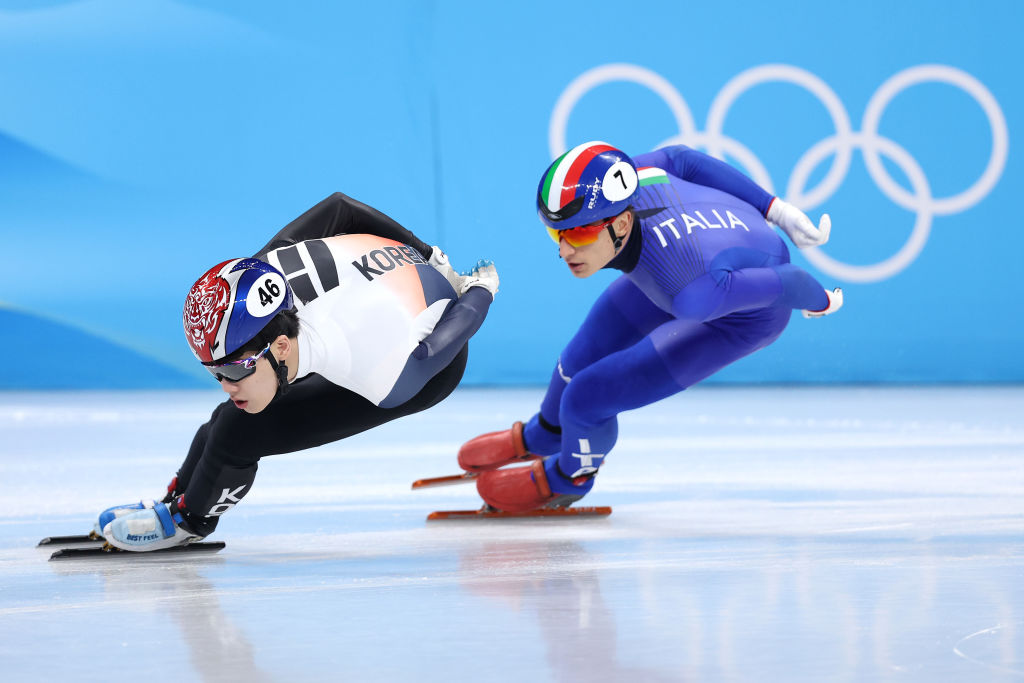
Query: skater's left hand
x,y
439,261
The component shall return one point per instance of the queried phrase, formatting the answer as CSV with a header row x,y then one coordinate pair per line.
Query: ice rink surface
x,y
758,534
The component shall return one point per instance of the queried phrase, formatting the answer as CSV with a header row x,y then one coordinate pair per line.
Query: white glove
x,y
484,274
835,302
797,225
439,260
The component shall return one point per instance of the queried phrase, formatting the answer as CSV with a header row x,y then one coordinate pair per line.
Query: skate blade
x,y
491,513
449,480
71,540
110,551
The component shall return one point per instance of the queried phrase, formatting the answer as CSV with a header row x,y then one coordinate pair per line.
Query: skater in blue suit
x,y
705,281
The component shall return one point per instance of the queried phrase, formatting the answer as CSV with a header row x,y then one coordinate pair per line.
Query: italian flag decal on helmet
x,y
589,183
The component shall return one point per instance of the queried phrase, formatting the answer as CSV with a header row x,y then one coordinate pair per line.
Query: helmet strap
x,y
281,370
616,240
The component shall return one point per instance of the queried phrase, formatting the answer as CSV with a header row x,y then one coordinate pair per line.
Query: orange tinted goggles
x,y
581,236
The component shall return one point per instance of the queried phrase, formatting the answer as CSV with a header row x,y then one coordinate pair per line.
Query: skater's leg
x,y
313,412
620,317
673,357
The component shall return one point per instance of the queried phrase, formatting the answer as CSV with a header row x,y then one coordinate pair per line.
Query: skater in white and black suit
x,y
345,320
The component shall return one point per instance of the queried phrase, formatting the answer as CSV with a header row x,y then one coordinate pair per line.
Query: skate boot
x,y
494,449
112,513
155,527
520,489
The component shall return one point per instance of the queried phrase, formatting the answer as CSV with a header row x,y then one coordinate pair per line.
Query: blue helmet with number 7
x,y
230,304
589,183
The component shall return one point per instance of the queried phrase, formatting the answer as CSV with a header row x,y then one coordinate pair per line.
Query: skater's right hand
x,y
797,226
484,274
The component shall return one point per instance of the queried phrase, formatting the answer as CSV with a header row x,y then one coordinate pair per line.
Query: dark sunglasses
x,y
236,370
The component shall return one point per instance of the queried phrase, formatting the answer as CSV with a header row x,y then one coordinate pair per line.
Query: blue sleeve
x,y
697,167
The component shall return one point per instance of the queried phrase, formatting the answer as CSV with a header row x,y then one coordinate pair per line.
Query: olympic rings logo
x,y
841,145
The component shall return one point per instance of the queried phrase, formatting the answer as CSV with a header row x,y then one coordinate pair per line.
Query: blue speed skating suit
x,y
706,281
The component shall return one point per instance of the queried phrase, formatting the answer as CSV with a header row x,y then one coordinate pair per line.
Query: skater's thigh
x,y
313,412
620,317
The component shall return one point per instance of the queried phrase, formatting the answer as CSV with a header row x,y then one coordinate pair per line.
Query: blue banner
x,y
142,141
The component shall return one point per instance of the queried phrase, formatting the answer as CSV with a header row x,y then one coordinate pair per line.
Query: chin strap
x,y
281,370
616,240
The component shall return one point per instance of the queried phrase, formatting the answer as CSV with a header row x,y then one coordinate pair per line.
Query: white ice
x,y
758,534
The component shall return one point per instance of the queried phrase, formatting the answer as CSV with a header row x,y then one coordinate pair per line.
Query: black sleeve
x,y
339,214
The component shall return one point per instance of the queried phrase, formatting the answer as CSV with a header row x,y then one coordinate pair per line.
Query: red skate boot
x,y
515,489
494,449
521,489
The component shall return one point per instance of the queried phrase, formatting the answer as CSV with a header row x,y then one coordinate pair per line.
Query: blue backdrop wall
x,y
142,141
